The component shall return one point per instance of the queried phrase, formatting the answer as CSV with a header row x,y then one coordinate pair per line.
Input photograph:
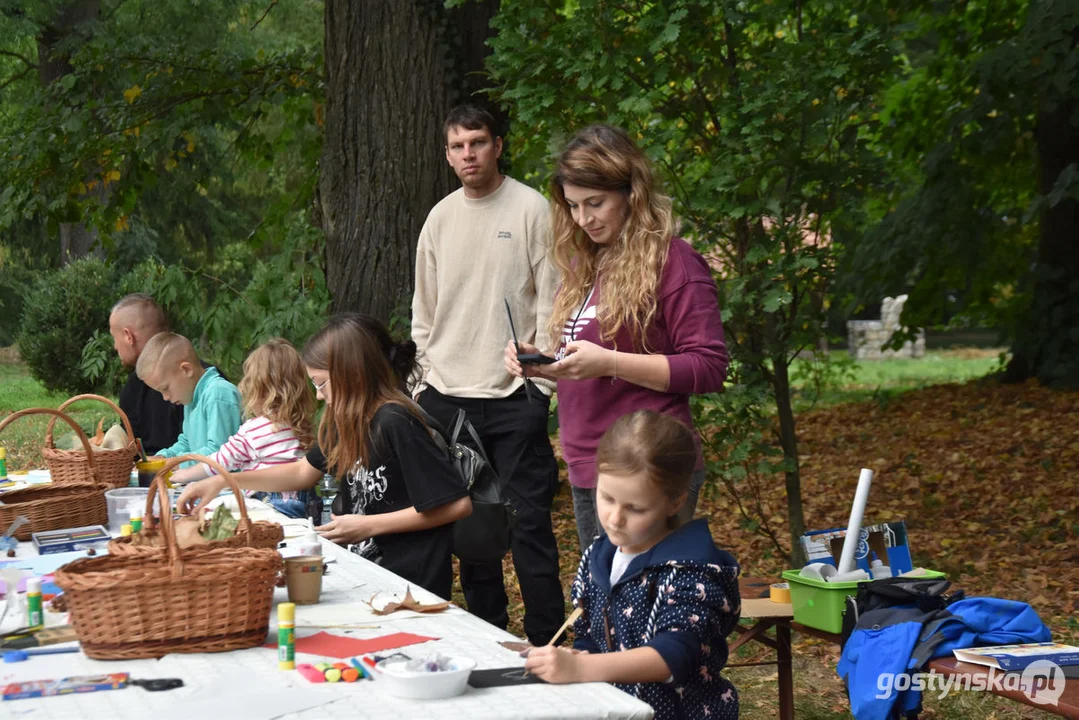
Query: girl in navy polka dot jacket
x,y
658,600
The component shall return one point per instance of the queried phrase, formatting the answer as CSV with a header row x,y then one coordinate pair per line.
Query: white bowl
x,y
422,685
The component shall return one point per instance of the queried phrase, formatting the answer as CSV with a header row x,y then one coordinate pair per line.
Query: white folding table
x,y
247,684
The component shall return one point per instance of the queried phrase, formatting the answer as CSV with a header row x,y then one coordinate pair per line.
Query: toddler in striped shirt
x,y
278,408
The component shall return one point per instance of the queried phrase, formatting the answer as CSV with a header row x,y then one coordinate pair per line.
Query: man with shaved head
x,y
157,422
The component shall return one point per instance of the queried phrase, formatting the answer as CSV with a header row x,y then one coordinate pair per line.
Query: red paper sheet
x,y
339,646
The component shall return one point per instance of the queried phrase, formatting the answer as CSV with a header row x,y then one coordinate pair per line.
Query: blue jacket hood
x,y
690,545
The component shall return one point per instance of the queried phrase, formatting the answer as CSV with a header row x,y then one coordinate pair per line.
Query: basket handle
x,y
170,465
158,487
56,414
115,408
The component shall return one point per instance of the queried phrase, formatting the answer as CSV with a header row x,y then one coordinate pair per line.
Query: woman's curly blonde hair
x,y
602,157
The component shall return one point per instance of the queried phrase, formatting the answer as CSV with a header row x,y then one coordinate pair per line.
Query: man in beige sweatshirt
x,y
487,241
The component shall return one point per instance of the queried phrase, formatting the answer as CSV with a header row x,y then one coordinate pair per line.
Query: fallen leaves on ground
x,y
983,474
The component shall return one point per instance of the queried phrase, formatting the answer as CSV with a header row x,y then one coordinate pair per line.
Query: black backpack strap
x,y
460,420
850,617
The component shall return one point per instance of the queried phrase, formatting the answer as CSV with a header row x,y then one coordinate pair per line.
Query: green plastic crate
x,y
820,604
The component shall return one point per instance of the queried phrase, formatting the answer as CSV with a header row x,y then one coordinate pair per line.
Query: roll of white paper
x,y
853,575
854,527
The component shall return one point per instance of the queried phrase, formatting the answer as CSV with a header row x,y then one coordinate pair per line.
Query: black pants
x,y
514,435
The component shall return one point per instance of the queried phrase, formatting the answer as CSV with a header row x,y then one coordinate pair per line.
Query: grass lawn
x,y
18,390
883,380
24,437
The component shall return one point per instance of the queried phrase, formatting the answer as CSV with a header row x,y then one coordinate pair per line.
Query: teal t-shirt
x,y
212,417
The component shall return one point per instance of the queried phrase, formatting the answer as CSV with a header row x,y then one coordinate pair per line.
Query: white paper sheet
x,y
256,509
46,564
351,614
234,695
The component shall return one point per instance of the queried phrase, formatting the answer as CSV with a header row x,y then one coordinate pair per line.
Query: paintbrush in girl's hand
x,y
138,446
569,621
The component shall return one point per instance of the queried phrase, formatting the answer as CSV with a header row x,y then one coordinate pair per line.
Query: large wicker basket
x,y
192,600
113,466
260,534
55,507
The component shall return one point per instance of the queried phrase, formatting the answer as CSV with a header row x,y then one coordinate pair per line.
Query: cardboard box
x,y
66,686
58,541
887,540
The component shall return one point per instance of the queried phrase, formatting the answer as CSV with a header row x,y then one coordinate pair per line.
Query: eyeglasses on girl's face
x,y
319,386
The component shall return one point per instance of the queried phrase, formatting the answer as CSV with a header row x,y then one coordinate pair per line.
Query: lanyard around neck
x,y
573,327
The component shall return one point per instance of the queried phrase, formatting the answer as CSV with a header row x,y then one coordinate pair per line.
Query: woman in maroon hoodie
x,y
637,311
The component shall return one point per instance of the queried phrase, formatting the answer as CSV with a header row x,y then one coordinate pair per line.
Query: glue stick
x,y
286,636
3,464
33,603
136,517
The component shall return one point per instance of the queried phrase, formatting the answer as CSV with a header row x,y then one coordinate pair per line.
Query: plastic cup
x,y
147,469
303,576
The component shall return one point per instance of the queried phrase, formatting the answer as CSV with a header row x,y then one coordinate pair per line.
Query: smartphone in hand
x,y
534,359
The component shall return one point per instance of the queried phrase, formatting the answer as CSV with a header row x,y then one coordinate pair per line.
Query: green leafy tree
x,y
136,109
758,114
60,316
186,133
980,222
283,295
58,29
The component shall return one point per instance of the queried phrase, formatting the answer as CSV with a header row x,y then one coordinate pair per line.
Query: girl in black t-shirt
x,y
399,494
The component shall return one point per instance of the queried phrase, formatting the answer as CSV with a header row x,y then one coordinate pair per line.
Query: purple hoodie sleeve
x,y
698,362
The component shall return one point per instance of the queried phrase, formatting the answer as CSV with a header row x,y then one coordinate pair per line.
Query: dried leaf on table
x,y
409,603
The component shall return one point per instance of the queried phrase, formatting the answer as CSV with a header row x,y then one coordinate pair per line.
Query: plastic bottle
x,y
3,464
878,569
35,617
310,544
327,491
286,636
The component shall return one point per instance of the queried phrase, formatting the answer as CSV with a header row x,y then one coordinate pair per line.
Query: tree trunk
x,y
1047,343
76,240
392,74
788,439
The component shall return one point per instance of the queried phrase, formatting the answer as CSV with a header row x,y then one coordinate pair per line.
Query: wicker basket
x,y
192,600
53,507
113,466
260,534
